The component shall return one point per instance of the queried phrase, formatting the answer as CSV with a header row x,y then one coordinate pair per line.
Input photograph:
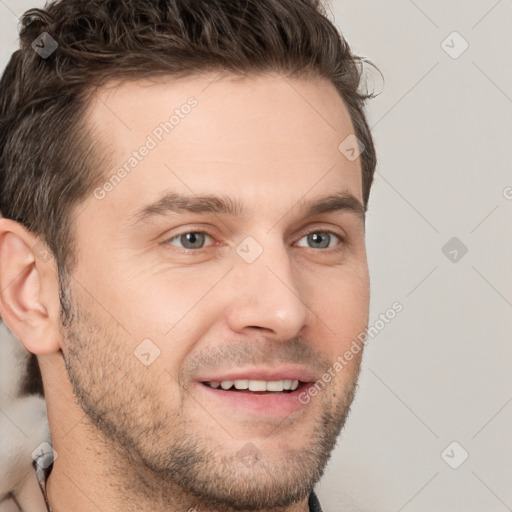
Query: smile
x,y
255,385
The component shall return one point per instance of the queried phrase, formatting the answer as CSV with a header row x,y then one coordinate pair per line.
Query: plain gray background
x,y
439,372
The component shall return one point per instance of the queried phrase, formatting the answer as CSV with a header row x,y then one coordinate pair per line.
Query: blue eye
x,y
195,240
191,239
323,241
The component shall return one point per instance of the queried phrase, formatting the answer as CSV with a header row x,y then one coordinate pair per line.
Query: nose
x,y
268,295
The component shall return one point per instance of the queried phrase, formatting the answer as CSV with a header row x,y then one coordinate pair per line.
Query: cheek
x,y
159,307
174,313
342,311
344,300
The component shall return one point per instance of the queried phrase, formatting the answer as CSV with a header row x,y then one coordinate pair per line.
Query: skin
x,y
135,437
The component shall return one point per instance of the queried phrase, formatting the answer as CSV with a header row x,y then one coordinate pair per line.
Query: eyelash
x,y
302,235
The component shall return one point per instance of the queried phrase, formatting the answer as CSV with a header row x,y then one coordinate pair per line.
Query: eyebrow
x,y
173,202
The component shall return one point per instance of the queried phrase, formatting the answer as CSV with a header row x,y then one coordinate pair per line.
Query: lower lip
x,y
274,405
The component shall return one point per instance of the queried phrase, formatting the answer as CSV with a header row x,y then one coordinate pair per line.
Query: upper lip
x,y
261,373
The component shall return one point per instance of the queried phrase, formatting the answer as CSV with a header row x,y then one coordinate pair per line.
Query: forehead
x,y
261,138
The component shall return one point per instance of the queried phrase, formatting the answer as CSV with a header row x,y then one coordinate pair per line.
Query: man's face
x,y
165,302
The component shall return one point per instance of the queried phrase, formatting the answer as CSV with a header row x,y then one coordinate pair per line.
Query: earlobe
x,y
32,316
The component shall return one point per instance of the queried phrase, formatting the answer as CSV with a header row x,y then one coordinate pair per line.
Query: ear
x,y
29,291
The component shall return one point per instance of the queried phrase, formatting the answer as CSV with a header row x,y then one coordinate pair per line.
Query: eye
x,y
195,240
321,239
190,239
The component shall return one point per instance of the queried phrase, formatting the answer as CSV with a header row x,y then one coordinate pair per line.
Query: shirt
x,y
44,463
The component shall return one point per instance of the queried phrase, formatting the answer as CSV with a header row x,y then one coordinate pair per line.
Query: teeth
x,y
275,385
226,384
256,385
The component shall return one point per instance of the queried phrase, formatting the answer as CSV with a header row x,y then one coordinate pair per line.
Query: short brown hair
x,y
48,164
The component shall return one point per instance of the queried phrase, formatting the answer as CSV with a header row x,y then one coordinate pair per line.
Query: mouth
x,y
260,387
270,397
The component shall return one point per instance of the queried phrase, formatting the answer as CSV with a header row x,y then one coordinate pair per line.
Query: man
x,y
184,187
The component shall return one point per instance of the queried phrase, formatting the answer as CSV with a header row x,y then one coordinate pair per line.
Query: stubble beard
x,y
160,458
